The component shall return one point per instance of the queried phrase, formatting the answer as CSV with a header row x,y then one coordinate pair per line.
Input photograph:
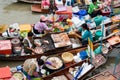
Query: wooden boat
x,y
65,69
49,52
65,73
31,1
37,8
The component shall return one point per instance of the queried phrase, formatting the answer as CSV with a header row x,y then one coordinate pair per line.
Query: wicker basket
x,y
67,57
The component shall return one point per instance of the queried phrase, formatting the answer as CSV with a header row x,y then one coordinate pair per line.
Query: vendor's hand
x,y
53,27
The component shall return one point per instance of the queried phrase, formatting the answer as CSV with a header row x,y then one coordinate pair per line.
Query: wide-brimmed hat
x,y
43,18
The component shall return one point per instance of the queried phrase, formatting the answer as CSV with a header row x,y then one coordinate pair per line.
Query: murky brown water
x,y
16,12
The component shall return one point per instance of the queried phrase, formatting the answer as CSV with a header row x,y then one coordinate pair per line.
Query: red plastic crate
x,y
5,47
106,11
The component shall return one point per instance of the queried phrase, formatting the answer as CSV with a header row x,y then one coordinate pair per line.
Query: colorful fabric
x,y
41,26
30,66
92,7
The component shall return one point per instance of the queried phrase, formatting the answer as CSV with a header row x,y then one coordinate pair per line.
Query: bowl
x,y
67,57
56,62
18,76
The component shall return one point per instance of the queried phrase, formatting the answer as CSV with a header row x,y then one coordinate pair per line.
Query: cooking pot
x,y
15,42
17,50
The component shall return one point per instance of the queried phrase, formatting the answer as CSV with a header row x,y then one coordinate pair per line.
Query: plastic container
x,y
98,50
98,34
98,20
19,68
83,55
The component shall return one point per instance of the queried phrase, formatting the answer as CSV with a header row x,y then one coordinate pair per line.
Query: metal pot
x,y
15,42
17,50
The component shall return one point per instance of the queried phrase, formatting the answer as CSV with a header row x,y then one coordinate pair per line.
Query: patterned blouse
x,y
30,66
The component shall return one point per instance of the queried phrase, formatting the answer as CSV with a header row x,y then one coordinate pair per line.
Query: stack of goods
x,y
114,40
75,42
61,40
16,45
82,55
116,18
79,71
12,31
62,77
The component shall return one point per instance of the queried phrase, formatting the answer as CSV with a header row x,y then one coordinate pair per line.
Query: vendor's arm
x,y
47,28
97,9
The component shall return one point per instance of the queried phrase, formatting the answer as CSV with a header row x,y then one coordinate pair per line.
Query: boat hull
x,y
50,52
31,1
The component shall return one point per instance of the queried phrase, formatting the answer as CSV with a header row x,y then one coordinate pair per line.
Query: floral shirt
x,y
30,66
41,26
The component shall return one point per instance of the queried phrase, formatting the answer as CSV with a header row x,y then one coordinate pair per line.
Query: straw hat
x,y
43,18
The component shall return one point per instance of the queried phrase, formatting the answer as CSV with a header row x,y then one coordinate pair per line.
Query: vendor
x,y
27,42
85,34
41,26
94,9
32,66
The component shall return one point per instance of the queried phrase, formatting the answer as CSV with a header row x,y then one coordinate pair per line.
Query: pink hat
x,y
43,18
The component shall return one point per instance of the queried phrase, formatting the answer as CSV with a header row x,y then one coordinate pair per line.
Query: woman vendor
x,y
85,34
32,66
94,9
41,26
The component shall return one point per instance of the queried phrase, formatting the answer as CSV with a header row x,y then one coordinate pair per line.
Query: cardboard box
x,y
5,47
